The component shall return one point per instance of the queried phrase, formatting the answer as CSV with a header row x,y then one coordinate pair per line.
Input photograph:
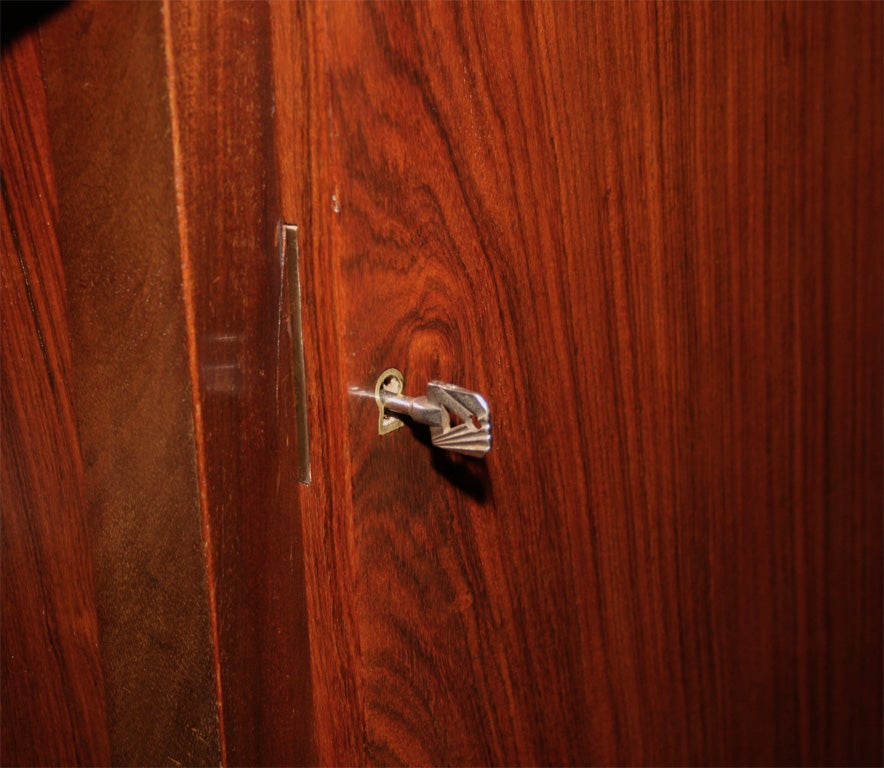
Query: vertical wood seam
x,y
188,290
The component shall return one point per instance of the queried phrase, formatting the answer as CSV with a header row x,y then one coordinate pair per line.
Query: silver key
x,y
459,420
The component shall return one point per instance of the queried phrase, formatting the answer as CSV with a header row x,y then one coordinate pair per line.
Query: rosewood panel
x,y
221,87
111,144
651,234
53,708
307,195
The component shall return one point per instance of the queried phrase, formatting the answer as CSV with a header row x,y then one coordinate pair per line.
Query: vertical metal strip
x,y
290,252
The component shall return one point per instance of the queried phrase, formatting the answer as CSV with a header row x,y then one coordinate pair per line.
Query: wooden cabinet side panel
x,y
110,132
53,708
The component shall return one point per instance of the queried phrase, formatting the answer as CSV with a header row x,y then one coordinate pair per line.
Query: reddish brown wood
x,y
53,709
301,101
111,143
652,236
222,94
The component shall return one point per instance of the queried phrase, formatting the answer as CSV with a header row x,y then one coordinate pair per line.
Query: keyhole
x,y
391,382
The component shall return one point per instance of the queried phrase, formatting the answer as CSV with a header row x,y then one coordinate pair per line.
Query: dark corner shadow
x,y
18,16
463,472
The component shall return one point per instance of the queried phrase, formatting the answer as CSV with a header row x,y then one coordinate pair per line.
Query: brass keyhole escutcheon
x,y
390,382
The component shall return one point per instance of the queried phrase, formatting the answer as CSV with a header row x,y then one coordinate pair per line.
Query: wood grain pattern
x,y
651,234
301,100
222,92
110,132
53,709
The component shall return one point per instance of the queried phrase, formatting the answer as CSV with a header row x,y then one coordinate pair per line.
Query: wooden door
x,y
649,234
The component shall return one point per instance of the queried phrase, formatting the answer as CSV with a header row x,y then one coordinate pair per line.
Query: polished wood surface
x,y
241,357
651,234
109,125
53,709
302,136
